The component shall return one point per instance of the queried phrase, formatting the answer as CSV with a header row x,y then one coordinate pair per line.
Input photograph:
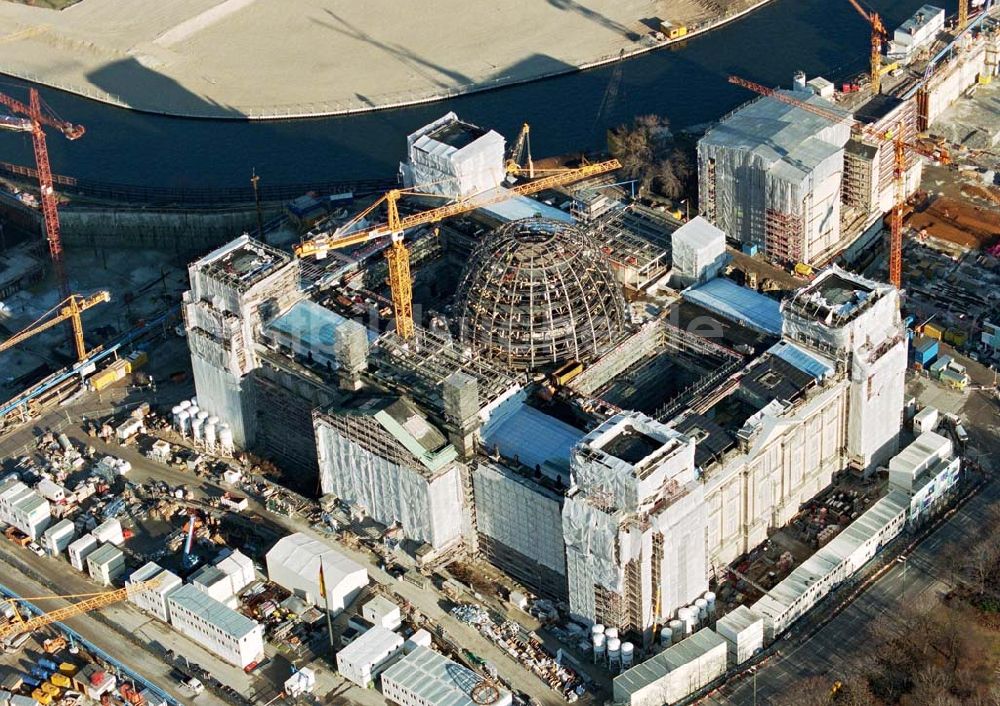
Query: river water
x,y
572,113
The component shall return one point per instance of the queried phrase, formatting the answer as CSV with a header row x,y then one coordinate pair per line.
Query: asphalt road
x,y
833,652
427,601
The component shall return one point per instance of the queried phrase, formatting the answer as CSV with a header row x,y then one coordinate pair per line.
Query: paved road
x,y
426,601
64,579
833,652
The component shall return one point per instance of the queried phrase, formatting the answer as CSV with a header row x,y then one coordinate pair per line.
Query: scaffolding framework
x,y
539,292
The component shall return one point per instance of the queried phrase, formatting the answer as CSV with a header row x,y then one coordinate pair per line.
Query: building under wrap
x,y
519,522
382,454
856,321
453,158
769,176
634,524
234,290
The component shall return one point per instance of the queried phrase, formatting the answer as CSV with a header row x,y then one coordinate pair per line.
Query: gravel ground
x,y
239,58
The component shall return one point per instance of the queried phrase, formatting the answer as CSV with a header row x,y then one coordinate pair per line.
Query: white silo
x,y
667,635
185,405
194,401
676,630
211,433
183,423
702,605
597,629
198,426
710,599
600,649
614,654
611,633
174,414
226,444
628,655
687,616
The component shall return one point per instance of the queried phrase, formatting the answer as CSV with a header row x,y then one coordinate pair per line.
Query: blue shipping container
x,y
925,350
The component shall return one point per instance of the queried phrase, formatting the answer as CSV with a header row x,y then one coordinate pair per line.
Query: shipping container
x,y
135,360
932,331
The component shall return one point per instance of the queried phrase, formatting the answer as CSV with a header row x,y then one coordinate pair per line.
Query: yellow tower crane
x,y
92,601
963,15
398,256
879,35
70,308
521,149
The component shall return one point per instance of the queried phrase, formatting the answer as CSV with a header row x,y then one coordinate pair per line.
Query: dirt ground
x,y
240,58
958,221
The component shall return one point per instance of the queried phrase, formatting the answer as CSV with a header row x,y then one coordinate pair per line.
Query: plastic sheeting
x,y
772,157
744,306
697,251
427,508
591,538
520,516
534,439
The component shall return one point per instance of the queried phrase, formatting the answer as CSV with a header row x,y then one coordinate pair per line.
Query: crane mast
x,y
37,119
879,35
68,309
398,257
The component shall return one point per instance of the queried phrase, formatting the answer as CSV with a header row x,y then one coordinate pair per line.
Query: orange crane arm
x,y
822,112
85,606
69,308
46,118
320,245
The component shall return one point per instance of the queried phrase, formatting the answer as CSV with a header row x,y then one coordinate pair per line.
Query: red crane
x,y
36,116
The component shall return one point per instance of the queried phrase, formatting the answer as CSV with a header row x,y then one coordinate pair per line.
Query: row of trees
x,y
930,652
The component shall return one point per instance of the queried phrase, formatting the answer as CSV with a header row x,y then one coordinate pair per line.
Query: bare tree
x,y
649,155
980,563
810,691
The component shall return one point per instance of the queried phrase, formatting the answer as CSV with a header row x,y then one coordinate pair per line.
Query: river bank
x,y
237,59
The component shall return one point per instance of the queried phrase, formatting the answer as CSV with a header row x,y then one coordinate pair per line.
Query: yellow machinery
x,y
70,308
879,35
398,256
522,148
92,601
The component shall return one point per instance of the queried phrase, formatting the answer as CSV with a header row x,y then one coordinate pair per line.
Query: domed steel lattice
x,y
538,292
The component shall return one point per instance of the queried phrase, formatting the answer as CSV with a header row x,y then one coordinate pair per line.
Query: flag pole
x,y
326,603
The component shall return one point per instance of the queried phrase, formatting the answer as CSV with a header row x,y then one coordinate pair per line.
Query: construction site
x,y
507,433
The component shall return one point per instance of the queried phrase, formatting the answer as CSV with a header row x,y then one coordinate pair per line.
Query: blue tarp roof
x,y
744,306
805,361
534,438
311,324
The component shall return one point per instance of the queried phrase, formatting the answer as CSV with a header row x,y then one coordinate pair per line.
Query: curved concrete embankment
x,y
261,60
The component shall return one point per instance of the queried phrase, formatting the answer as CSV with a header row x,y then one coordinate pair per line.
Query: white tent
x,y
295,562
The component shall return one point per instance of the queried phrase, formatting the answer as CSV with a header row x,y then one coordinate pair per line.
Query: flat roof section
x,y
744,306
208,609
434,679
534,439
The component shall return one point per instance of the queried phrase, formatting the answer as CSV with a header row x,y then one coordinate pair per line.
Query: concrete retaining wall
x,y
177,231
